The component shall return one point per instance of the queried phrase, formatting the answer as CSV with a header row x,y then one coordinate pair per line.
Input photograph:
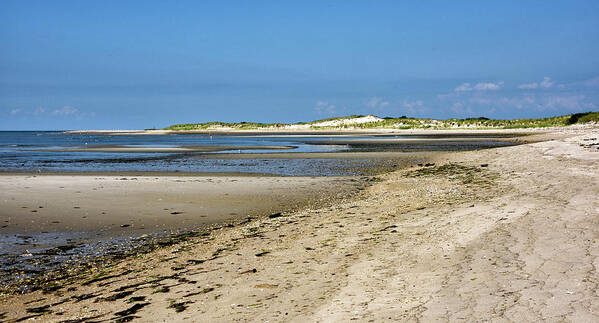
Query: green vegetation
x,y
584,117
463,174
333,119
216,124
408,123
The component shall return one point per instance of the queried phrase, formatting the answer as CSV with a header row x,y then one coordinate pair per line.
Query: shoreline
x,y
313,155
139,173
481,234
85,202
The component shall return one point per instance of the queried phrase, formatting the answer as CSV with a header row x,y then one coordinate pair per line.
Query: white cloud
x,y
528,86
65,111
373,102
594,82
463,87
39,111
414,108
563,103
480,100
460,109
554,97
546,82
523,102
412,104
570,102
323,107
488,86
376,102
559,102
483,86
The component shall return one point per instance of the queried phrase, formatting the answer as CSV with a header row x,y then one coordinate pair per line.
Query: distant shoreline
x,y
312,132
374,123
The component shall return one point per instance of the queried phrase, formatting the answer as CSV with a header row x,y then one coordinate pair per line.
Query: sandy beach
x,y
81,214
118,204
350,161
502,234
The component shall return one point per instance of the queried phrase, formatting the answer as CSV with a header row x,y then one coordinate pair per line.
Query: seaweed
x,y
131,310
39,310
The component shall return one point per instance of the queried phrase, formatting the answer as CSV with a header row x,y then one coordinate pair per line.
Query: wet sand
x,y
104,205
48,221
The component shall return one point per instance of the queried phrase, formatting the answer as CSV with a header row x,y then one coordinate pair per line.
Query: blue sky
x,y
141,64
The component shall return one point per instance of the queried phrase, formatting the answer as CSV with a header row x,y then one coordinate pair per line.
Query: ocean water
x,y
31,151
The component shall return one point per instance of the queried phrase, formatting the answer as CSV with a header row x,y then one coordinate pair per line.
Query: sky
x,y
149,64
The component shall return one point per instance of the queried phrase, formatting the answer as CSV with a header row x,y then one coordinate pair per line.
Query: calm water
x,y
25,151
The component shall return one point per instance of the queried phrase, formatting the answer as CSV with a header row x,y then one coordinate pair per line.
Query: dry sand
x,y
505,234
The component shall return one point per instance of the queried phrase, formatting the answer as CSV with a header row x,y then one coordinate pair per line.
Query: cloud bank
x,y
483,86
545,84
65,111
323,107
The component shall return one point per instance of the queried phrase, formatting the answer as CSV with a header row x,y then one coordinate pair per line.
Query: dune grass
x,y
408,123
216,125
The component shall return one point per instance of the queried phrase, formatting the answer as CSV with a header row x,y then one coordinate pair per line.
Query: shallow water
x,y
35,151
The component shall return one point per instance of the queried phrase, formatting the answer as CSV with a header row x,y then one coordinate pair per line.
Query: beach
x,y
48,220
394,161
505,234
113,205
